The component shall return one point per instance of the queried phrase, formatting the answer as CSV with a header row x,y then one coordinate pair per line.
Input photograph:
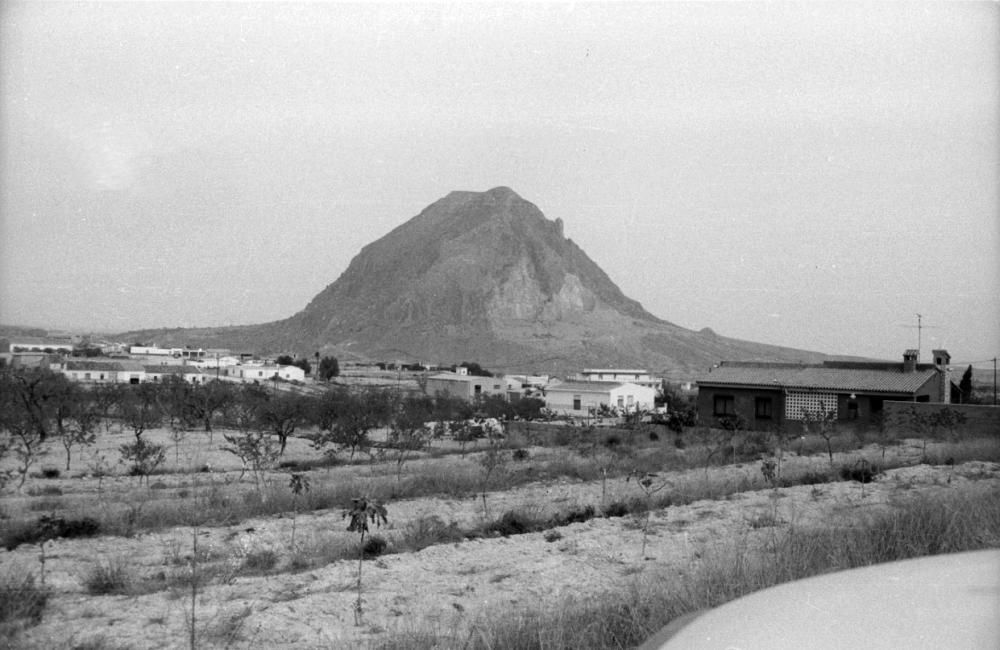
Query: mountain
x,y
483,276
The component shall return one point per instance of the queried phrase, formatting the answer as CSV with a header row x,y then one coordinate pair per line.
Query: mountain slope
x,y
485,276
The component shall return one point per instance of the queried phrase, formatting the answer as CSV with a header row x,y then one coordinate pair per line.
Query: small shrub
x,y
49,527
616,509
578,515
654,436
679,442
374,546
261,560
520,454
429,531
110,577
764,520
50,472
513,522
21,598
813,478
553,536
159,485
45,491
860,472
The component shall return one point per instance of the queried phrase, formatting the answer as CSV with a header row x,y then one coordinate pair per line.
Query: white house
x,y
190,374
582,398
36,344
264,373
103,372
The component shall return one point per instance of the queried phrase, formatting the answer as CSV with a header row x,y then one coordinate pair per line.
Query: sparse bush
x,y
553,536
616,509
514,522
49,527
21,599
107,577
374,546
50,472
45,491
260,561
813,478
862,472
577,515
520,454
429,531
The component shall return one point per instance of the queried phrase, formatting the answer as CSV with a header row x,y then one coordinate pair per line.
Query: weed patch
x,y
21,600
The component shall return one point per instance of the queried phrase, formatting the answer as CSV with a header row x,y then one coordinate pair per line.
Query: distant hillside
x,y
483,276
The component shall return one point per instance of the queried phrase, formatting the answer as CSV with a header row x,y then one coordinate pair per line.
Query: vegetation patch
x,y
21,600
49,527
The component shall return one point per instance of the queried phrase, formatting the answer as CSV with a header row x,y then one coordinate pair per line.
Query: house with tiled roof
x,y
767,395
585,398
103,371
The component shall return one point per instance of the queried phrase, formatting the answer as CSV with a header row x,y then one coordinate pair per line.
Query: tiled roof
x,y
172,370
107,366
816,377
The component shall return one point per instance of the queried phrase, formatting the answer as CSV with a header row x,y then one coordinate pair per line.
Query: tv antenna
x,y
920,327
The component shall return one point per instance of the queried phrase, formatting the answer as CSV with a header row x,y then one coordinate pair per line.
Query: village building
x,y
36,345
190,374
465,386
267,372
768,395
620,375
586,398
93,371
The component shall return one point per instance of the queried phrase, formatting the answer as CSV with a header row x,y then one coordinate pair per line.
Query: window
x,y
762,408
852,410
576,402
621,401
86,376
724,405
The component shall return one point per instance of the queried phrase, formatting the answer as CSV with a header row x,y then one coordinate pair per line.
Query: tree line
x,y
37,405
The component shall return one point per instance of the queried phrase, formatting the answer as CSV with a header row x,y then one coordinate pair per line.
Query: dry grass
x,y
914,527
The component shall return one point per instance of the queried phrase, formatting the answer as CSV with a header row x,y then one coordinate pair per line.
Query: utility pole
x,y
994,381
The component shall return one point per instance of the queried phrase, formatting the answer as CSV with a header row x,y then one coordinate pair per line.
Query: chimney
x,y
941,361
910,360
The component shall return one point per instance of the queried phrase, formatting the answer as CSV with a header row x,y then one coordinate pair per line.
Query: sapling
x,y
297,483
823,423
650,483
493,460
362,511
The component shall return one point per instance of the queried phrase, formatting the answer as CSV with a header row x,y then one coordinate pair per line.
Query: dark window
x,y
762,408
852,410
576,402
724,405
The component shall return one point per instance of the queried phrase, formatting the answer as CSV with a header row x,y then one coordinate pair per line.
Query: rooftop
x,y
819,377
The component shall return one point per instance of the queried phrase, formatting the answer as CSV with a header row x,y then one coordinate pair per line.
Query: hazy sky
x,y
811,175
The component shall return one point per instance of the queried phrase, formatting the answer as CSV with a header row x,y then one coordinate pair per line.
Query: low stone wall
x,y
979,419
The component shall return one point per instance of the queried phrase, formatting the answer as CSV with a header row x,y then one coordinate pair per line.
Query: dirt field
x,y
442,588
